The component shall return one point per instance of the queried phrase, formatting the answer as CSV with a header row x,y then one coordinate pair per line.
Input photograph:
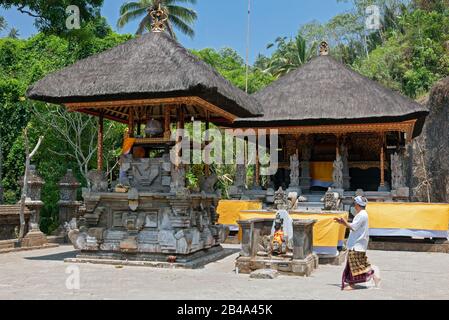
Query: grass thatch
x,y
151,66
325,91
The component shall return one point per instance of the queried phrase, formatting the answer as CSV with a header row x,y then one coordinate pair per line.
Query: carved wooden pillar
x,y
206,167
382,186
100,143
167,132
257,173
131,123
180,126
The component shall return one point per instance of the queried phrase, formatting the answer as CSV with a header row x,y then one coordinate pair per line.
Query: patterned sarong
x,y
358,269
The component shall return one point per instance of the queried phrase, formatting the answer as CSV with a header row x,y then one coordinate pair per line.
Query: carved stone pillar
x,y
246,238
302,239
398,180
33,202
344,156
338,173
306,153
68,205
33,196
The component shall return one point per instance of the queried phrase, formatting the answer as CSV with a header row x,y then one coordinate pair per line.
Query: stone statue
x,y
294,171
97,180
240,176
331,200
281,200
346,177
338,173
208,184
397,173
178,177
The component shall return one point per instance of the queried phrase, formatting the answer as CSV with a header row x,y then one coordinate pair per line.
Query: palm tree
x,y
3,23
290,55
178,16
14,33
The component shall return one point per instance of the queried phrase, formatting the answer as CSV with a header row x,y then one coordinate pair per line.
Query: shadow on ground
x,y
72,254
55,257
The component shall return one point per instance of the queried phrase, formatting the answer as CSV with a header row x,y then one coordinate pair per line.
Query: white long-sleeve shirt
x,y
359,235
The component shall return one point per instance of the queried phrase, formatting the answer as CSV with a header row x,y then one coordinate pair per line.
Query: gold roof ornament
x,y
324,48
159,17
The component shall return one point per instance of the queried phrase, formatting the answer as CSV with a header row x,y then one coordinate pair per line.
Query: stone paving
x,y
42,274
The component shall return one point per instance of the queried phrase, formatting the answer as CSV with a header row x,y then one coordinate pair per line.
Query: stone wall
x,y
10,221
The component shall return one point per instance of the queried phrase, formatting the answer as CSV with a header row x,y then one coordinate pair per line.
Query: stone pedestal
x,y
68,206
301,261
34,237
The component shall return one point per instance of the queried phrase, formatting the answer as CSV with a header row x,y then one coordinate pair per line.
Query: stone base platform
x,y
441,246
286,266
193,261
334,261
13,245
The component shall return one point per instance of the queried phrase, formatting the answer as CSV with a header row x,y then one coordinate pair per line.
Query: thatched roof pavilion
x,y
150,71
332,117
326,92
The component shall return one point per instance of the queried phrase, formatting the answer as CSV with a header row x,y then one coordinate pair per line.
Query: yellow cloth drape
x,y
321,171
419,216
229,210
128,143
326,232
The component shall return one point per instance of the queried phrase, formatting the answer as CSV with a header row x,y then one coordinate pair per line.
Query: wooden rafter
x,y
138,103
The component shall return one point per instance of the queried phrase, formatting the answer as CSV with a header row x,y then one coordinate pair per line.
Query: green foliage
x,y
23,62
413,60
50,16
232,67
290,55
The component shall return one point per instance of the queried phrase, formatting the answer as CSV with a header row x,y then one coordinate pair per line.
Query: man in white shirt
x,y
358,269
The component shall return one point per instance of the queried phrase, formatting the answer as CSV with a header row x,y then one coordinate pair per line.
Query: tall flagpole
x,y
248,38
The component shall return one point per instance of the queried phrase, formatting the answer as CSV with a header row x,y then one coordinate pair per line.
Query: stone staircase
x,y
313,201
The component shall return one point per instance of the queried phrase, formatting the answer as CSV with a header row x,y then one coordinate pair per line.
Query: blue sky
x,y
222,23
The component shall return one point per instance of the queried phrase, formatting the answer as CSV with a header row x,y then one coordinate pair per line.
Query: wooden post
x,y
131,123
207,167
337,151
100,143
167,132
382,162
257,173
180,126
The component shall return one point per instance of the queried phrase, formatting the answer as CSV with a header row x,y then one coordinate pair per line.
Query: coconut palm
x,y
290,55
3,24
14,33
179,17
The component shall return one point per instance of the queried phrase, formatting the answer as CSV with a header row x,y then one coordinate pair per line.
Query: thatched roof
x,y
324,91
152,66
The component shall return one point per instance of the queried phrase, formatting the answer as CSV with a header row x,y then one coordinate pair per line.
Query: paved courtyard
x,y
42,274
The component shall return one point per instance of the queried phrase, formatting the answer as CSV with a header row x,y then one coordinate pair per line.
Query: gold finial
x,y
159,17
324,48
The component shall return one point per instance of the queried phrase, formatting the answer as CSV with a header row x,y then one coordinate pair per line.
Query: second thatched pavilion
x,y
337,129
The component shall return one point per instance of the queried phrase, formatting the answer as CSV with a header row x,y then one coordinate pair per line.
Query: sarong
x,y
357,270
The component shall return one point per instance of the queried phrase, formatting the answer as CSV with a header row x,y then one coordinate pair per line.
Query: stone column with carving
x,y
306,153
68,204
239,185
345,159
34,237
398,181
338,173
